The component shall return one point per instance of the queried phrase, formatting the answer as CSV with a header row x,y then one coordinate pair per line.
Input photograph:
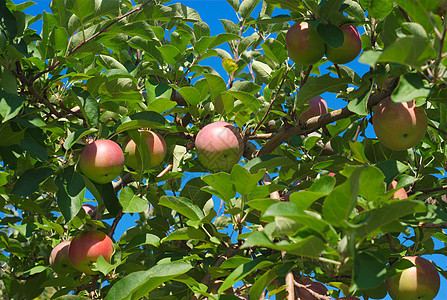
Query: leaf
x,y
130,202
10,105
30,181
391,168
292,5
192,190
185,234
316,86
243,270
303,199
262,70
104,266
245,182
169,53
359,104
88,104
222,185
70,193
110,199
81,8
191,95
216,84
34,149
138,284
369,269
144,119
274,50
410,87
262,282
330,34
419,11
7,21
268,162
340,202
377,9
247,7
250,101
74,137
183,206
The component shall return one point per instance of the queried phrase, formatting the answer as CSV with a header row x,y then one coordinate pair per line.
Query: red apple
x,y
86,247
317,287
90,210
399,126
349,50
102,161
304,45
318,106
400,193
219,146
156,147
59,261
420,282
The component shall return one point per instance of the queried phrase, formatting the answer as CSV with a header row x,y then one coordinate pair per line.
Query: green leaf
x,y
30,181
292,5
262,282
242,271
143,239
8,21
185,234
330,34
169,53
10,105
245,182
268,162
391,168
192,190
59,39
144,119
191,95
369,269
81,8
74,137
249,100
387,214
316,86
222,185
138,284
183,206
104,266
303,199
88,104
110,199
9,82
246,8
262,70
372,184
340,202
70,193
274,50
130,202
410,87
34,149
216,84
419,11
359,104
377,9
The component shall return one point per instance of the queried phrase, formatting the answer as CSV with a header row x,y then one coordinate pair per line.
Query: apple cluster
x,y
305,46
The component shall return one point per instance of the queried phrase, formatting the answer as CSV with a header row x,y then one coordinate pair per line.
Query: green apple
x,y
304,45
420,282
399,126
156,147
102,161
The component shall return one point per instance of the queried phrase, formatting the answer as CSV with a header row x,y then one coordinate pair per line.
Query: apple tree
x,y
282,206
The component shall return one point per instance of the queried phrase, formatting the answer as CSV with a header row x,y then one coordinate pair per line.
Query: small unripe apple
x,y
400,193
349,50
317,287
90,210
318,107
59,261
219,146
156,147
102,161
304,45
86,247
399,126
420,282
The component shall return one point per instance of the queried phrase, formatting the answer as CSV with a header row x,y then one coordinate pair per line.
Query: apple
x,y
317,287
219,146
102,161
304,45
349,50
420,282
90,210
86,247
399,126
156,147
400,193
59,260
318,106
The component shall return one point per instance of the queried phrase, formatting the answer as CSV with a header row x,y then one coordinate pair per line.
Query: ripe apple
x,y
317,287
318,106
86,247
420,282
90,210
349,50
400,193
156,147
304,45
399,126
59,261
219,146
102,161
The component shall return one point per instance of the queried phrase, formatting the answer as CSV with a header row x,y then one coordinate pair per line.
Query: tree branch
x,y
313,293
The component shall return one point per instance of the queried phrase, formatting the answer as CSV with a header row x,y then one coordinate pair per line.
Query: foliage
x,y
105,68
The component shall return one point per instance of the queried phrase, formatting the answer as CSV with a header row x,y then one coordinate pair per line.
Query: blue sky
x,y
211,11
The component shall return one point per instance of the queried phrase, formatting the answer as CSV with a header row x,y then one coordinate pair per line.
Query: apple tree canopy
x,y
309,198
